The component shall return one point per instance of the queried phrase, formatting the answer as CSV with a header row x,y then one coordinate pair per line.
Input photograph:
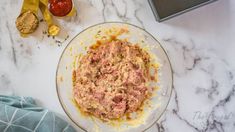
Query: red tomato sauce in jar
x,y
60,7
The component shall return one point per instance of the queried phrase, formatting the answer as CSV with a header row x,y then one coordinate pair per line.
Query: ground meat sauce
x,y
111,78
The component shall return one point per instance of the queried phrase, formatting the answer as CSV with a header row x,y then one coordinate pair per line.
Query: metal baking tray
x,y
165,9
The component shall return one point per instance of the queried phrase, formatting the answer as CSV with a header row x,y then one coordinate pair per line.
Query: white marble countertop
x,y
200,45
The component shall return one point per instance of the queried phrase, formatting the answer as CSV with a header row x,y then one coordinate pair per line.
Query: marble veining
x,y
200,45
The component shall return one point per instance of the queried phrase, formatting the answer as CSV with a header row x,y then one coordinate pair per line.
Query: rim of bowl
x,y
171,70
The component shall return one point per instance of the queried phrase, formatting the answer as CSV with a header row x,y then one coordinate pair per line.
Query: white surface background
x,y
200,45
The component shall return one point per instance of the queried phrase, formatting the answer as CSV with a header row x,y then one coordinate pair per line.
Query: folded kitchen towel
x,y
21,114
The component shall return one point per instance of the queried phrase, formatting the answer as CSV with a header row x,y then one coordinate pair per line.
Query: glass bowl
x,y
78,46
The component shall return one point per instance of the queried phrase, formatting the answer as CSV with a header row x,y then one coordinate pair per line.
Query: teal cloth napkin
x,y
21,114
